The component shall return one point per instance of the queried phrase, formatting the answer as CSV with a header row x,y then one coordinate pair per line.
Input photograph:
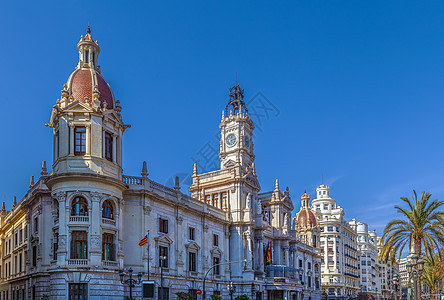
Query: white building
x,y
323,225
78,227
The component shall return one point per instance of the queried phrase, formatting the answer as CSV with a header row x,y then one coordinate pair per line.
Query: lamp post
x,y
415,267
162,264
131,282
395,285
216,265
231,289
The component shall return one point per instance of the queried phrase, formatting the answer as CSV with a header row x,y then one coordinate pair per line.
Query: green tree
x,y
184,296
423,226
242,297
216,297
432,274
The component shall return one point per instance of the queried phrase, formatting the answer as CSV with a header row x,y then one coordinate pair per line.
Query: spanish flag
x,y
268,254
143,241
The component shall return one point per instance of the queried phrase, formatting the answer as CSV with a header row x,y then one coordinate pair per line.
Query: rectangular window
x,y
215,240
55,246
26,232
79,245
193,294
216,261
165,291
330,228
224,199
34,256
20,262
108,250
80,141
78,291
309,265
163,225
326,206
192,261
20,236
163,253
108,146
87,56
36,224
16,239
300,263
191,233
215,200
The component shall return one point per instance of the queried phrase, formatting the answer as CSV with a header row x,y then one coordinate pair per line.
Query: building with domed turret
x,y
79,227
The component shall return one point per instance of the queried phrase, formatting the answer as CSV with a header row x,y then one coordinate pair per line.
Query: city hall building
x,y
79,227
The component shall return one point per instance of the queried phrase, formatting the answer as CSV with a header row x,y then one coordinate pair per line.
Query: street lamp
x,y
395,285
231,289
414,268
162,264
130,281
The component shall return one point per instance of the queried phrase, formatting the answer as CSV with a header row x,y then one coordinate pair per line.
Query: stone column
x,y
71,139
62,251
88,139
95,232
103,143
114,148
260,256
287,256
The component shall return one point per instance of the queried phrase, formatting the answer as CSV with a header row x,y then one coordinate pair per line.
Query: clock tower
x,y
236,128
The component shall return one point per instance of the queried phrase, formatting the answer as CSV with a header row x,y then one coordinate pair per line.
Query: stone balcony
x,y
79,219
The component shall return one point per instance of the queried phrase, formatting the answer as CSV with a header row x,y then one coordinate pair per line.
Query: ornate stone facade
x,y
77,228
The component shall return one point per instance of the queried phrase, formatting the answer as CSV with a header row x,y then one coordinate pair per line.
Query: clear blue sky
x,y
356,86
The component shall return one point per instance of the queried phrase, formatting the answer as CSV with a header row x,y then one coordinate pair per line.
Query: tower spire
x,y
236,103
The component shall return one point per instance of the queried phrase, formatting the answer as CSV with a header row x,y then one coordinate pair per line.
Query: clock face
x,y
231,140
247,142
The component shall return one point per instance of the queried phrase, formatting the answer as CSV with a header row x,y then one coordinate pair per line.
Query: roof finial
x,y
276,185
44,170
3,206
144,170
31,182
176,184
195,169
89,29
14,201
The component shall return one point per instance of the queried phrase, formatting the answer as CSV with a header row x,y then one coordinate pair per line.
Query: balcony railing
x,y
109,221
107,263
282,272
79,219
78,262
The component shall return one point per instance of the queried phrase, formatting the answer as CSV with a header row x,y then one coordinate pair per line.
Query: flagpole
x,y
148,249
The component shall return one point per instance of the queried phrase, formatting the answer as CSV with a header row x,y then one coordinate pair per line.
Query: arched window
x,y
107,210
79,207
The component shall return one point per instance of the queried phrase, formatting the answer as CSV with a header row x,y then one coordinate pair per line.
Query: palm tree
x,y
422,225
432,275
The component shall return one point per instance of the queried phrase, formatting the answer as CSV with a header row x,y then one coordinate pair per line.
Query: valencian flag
x,y
143,241
268,253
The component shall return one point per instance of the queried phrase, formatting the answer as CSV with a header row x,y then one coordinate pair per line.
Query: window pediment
x,y
216,251
163,238
192,246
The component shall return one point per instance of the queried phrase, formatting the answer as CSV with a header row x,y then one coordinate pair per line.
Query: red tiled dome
x,y
304,220
81,84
